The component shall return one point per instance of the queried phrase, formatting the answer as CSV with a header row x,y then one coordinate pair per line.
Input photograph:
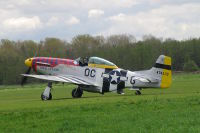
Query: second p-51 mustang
x,y
95,74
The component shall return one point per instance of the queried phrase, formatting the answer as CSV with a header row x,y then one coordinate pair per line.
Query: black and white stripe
x,y
163,66
74,80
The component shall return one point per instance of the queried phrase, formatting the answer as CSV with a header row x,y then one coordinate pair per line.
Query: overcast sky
x,y
64,19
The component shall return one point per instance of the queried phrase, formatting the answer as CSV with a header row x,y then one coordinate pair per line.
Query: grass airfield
x,y
176,109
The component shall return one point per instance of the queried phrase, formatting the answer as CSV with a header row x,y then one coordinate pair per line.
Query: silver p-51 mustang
x,y
95,74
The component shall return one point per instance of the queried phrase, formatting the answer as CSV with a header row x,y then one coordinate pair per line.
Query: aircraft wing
x,y
58,78
146,79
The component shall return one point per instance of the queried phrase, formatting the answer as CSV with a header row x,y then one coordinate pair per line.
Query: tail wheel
x,y
77,93
138,93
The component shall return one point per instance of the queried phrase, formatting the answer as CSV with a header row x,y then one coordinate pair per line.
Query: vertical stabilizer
x,y
162,71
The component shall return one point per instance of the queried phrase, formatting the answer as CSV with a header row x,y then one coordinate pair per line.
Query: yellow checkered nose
x,y
28,62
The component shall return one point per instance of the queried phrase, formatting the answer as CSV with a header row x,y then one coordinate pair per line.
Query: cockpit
x,y
96,62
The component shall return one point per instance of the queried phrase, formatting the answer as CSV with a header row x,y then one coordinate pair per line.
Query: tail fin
x,y
162,70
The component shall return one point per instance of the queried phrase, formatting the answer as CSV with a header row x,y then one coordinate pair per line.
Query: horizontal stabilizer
x,y
146,80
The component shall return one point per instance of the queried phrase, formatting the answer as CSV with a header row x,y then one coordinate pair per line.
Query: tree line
x,y
123,50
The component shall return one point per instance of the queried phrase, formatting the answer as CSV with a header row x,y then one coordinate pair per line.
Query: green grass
x,y
176,109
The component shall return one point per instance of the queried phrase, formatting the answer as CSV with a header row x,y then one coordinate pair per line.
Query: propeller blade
x,y
35,54
28,71
24,79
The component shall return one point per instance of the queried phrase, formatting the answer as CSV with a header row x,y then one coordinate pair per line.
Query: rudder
x,y
162,70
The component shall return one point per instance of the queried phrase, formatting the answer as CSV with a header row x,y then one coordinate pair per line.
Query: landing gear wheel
x,y
77,93
43,97
137,93
120,92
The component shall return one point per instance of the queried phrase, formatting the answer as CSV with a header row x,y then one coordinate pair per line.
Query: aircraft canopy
x,y
100,61
96,62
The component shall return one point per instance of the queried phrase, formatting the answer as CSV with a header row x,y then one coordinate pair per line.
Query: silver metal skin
x,y
95,79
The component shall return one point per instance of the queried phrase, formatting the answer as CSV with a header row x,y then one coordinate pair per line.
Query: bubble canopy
x,y
97,60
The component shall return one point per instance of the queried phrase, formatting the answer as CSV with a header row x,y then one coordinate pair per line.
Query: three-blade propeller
x,y
24,78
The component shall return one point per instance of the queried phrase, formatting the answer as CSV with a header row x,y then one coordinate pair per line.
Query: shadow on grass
x,y
86,97
126,95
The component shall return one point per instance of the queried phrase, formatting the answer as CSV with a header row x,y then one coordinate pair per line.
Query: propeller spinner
x,y
28,62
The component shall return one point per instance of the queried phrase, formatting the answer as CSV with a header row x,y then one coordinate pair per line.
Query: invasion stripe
x,y
69,80
74,80
163,66
79,80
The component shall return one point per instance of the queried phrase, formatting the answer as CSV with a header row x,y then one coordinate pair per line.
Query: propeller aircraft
x,y
96,74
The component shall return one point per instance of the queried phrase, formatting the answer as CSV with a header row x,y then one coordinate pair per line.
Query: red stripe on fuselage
x,y
52,61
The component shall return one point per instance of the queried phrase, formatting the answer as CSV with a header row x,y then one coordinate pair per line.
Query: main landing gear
x,y
77,93
120,92
46,95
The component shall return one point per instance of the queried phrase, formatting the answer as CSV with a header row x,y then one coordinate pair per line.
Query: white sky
x,y
64,19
